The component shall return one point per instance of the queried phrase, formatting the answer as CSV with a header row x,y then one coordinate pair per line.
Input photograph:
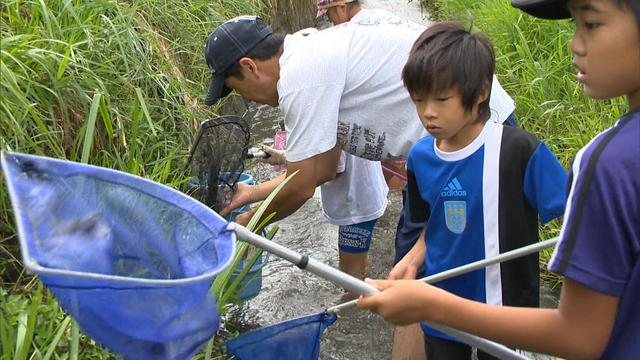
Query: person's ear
x,y
484,95
248,66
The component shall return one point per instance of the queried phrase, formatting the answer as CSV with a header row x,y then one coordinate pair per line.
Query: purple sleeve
x,y
600,234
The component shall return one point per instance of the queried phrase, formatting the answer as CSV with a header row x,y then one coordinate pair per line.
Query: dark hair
x,y
631,5
447,56
266,49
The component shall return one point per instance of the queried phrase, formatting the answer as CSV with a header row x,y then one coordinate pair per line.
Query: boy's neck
x,y
633,100
462,139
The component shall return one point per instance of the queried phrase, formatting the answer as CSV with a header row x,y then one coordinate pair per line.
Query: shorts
x,y
356,238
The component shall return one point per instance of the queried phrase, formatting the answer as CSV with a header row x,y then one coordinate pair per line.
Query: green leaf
x,y
90,129
263,206
75,341
56,339
23,343
63,63
143,104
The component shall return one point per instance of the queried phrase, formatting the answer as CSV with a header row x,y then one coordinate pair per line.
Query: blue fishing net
x,y
131,260
292,339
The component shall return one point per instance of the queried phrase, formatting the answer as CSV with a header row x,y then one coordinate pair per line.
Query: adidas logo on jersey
x,y
453,188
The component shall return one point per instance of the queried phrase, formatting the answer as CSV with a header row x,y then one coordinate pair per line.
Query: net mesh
x,y
131,260
217,160
292,339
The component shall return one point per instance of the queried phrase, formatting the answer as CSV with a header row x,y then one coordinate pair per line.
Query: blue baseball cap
x,y
544,9
229,42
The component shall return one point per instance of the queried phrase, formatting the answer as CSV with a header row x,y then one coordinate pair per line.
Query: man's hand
x,y
276,157
243,195
244,218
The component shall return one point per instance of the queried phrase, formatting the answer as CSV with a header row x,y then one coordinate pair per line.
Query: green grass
x,y
32,326
533,64
115,84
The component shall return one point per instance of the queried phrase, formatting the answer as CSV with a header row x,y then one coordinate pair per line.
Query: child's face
x,y
338,14
606,45
443,114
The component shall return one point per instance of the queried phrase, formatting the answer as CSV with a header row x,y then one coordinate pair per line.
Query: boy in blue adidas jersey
x,y
599,250
480,186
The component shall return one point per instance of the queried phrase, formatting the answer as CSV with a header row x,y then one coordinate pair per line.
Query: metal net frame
x,y
216,160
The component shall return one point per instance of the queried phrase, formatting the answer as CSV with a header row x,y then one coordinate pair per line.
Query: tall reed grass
x,y
116,84
112,83
533,64
288,16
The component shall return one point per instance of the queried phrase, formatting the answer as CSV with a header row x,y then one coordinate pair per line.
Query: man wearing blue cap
x,y
339,89
237,37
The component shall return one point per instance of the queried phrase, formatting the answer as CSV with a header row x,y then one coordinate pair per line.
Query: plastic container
x,y
252,283
280,143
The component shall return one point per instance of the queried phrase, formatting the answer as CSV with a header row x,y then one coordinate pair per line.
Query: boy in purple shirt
x,y
599,249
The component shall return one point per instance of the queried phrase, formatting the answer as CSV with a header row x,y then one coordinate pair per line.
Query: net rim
x,y
139,183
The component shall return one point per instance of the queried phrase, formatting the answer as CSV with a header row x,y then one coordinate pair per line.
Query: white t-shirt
x,y
356,195
343,85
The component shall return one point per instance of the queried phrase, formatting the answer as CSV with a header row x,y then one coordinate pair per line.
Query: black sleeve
x,y
418,209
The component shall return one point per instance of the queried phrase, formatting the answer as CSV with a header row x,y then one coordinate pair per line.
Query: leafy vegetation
x,y
114,83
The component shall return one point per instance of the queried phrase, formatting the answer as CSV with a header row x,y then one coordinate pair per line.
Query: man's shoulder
x,y
308,47
311,60
367,15
376,17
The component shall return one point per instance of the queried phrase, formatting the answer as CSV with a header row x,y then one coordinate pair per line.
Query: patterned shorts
x,y
356,238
